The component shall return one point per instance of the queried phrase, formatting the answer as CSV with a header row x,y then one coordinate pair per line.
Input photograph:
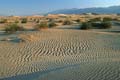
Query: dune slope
x,y
62,55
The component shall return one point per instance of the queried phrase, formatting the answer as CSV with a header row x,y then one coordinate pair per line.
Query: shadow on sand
x,y
114,31
38,75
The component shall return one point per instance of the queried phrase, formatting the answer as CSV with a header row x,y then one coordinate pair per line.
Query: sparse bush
x,y
42,25
52,24
78,20
11,28
107,19
60,21
51,20
106,25
24,20
16,21
3,21
96,25
95,14
34,20
102,25
67,22
95,19
38,21
86,26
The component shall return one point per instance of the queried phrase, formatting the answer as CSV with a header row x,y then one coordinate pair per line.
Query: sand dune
x,y
57,54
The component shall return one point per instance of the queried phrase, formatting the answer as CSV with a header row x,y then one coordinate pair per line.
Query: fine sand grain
x,y
57,54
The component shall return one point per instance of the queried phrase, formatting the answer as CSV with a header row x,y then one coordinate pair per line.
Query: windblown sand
x,y
57,54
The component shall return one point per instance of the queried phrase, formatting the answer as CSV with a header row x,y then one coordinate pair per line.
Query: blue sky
x,y
24,7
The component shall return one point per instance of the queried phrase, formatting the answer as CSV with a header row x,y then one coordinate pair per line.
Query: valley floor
x,y
62,54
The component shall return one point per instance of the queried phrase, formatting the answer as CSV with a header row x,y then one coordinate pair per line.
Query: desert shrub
x,y
52,24
96,24
31,19
95,14
78,20
101,25
106,25
60,21
16,21
24,20
38,21
67,22
50,20
11,28
86,26
35,20
107,19
3,21
95,19
42,25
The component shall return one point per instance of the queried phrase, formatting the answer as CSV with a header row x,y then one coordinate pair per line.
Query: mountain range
x,y
99,10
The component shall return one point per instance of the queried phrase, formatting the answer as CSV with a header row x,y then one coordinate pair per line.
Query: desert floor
x,y
62,54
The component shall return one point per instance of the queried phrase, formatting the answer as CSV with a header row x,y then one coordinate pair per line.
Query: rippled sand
x,y
57,54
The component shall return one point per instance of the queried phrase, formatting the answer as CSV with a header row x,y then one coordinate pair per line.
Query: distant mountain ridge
x,y
100,10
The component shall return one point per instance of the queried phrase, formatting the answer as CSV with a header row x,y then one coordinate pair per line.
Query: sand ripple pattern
x,y
73,54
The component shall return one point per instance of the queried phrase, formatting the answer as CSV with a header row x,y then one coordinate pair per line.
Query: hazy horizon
x,y
31,7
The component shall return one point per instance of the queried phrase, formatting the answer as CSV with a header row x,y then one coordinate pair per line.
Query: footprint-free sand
x,y
62,54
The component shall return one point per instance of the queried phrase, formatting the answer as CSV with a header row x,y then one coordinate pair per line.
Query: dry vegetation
x,y
57,20
12,28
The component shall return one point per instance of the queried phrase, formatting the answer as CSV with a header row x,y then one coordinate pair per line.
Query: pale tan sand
x,y
62,55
